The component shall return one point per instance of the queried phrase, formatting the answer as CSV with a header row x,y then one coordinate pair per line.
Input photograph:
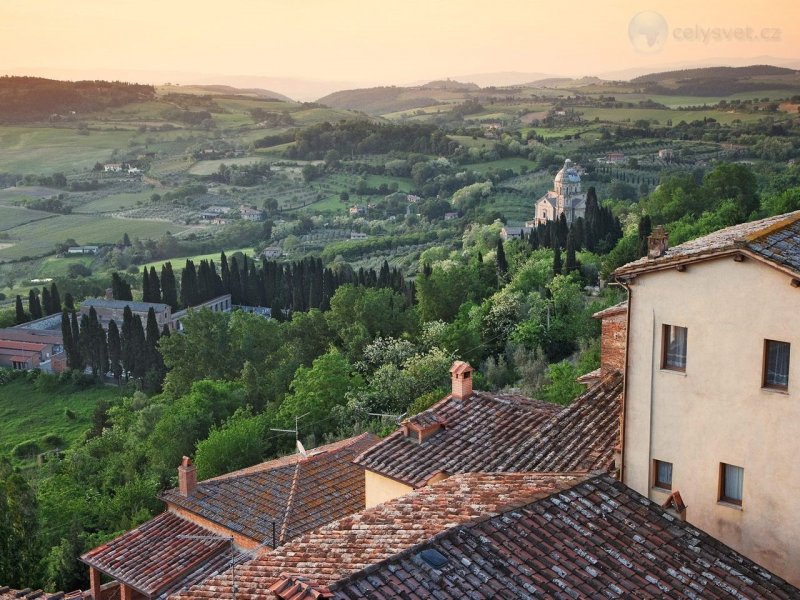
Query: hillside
x,y
35,98
229,90
385,100
719,81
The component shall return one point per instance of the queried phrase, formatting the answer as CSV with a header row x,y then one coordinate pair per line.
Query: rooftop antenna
x,y
397,418
301,449
295,431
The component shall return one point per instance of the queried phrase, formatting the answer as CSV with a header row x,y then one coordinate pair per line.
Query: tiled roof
x,y
611,310
157,558
598,539
580,438
158,307
776,239
6,593
484,433
296,493
338,549
479,434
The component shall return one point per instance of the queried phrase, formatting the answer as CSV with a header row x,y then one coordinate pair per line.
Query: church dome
x,y
568,174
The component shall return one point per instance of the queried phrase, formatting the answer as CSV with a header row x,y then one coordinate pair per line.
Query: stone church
x,y
565,198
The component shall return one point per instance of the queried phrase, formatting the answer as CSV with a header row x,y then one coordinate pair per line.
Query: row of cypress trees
x,y
48,304
129,352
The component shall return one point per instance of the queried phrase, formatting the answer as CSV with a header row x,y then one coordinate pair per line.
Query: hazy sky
x,y
380,41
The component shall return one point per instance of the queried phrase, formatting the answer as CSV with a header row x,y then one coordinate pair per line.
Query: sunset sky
x,y
377,42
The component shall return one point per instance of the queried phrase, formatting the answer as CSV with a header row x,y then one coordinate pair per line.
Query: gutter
x,y
625,380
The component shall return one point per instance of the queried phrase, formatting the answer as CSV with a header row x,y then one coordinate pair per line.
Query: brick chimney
x,y
657,242
109,293
187,477
461,376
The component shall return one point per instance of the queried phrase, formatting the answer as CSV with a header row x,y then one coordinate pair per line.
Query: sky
x,y
356,42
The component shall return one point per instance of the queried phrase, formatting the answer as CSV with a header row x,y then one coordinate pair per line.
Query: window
x,y
776,364
673,352
663,474
731,483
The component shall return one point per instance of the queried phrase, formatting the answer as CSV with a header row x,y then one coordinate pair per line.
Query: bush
x,y
52,440
46,382
70,414
26,449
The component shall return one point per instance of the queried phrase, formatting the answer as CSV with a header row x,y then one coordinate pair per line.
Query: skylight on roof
x,y
434,558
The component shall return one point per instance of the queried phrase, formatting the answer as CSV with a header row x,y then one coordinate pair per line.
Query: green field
x,y
27,413
50,149
39,238
54,266
114,202
209,167
12,216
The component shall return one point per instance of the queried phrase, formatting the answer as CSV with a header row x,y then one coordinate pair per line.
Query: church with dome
x,y
565,198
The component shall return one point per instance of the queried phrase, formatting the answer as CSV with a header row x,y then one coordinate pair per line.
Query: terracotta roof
x,y
15,345
489,433
345,546
296,493
580,438
157,559
775,239
611,310
6,593
598,539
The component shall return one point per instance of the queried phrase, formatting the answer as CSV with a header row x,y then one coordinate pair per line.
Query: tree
x,y
114,350
169,290
18,525
21,315
557,261
120,288
571,264
34,307
154,285
47,305
236,444
189,291
644,230
502,263
80,360
55,299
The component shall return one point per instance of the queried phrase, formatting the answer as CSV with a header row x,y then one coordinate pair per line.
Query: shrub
x,y
52,440
70,414
26,449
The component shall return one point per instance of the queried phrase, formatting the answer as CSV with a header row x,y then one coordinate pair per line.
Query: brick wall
x,y
612,342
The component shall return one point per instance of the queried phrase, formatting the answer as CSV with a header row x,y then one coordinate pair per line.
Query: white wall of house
x,y
717,411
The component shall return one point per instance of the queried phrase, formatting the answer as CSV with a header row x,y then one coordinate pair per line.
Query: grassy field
x,y
38,238
209,167
54,266
114,202
50,149
28,413
12,216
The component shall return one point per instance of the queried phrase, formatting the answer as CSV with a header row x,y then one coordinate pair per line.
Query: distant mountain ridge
x,y
258,92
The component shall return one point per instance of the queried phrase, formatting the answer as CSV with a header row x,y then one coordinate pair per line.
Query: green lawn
x,y
39,238
54,266
27,413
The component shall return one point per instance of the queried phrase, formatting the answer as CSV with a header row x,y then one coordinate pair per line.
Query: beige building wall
x,y
716,411
380,489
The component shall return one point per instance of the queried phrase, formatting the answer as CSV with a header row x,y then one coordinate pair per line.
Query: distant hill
x,y
719,81
380,100
564,82
234,91
36,98
449,84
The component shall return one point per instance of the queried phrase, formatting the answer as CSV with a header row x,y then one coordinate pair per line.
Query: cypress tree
x,y
235,283
55,298
127,353
114,350
189,292
68,343
165,332
20,314
502,263
139,347
169,290
226,273
146,297
155,285
557,261
87,343
34,307
76,342
644,231
562,230
120,288
69,302
47,305
571,263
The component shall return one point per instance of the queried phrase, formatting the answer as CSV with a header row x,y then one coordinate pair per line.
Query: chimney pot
x,y
461,378
657,242
187,477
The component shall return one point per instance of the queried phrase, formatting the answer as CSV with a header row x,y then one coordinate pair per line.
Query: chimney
x,y
187,477
461,376
657,243
109,294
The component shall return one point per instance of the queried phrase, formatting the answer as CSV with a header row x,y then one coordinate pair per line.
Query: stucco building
x,y
712,400
565,198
